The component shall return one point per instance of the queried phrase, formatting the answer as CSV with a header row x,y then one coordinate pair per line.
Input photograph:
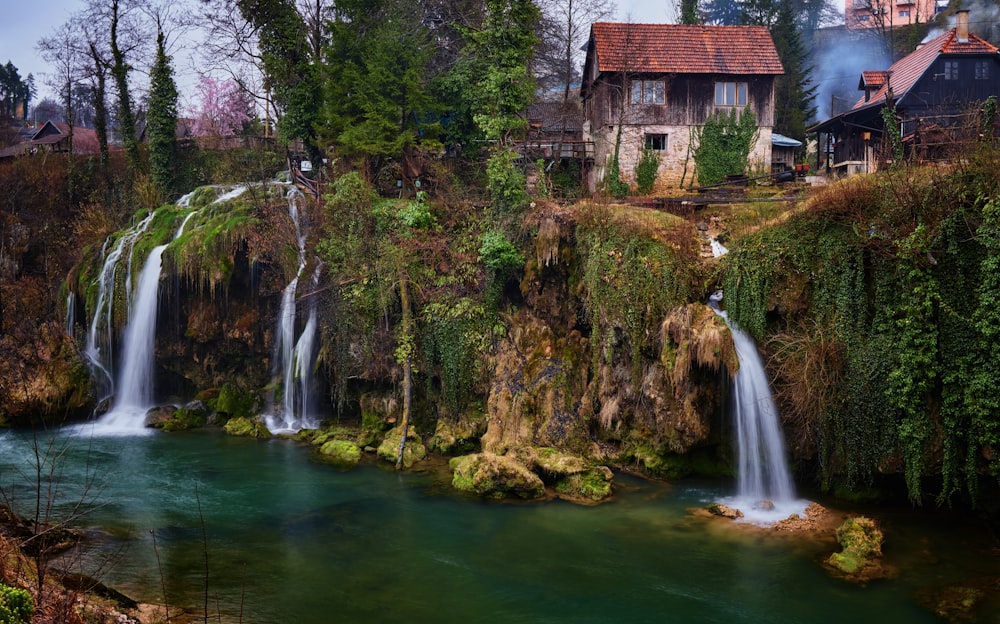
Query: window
x,y
656,142
730,94
951,70
982,70
905,13
649,92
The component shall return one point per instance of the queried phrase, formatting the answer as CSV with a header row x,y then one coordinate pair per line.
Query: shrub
x,y
16,606
645,171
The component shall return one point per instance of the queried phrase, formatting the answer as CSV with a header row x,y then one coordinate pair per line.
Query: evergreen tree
x,y
289,71
502,91
794,94
161,119
688,12
378,102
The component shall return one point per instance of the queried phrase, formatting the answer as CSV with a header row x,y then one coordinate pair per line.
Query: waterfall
x,y
134,385
99,348
765,492
294,359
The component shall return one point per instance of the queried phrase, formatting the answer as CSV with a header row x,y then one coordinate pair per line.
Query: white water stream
x,y
134,387
294,359
765,492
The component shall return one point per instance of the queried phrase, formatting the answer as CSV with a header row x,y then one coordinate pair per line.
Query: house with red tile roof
x,y
54,136
937,92
660,82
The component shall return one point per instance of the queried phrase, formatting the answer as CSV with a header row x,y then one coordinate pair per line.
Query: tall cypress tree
x,y
161,119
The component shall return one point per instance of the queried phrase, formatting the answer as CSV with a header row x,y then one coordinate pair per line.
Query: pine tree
x,y
161,119
794,95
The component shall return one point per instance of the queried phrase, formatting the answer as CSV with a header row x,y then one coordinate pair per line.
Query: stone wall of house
x,y
676,161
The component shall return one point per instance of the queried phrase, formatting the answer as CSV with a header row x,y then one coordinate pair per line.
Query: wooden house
x,y
659,82
936,92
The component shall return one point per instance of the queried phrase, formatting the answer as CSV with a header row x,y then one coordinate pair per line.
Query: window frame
x,y
951,70
737,92
982,70
648,92
650,139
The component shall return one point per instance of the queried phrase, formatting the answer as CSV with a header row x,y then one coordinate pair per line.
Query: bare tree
x,y
62,51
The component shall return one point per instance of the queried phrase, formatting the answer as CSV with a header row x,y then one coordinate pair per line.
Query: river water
x,y
290,539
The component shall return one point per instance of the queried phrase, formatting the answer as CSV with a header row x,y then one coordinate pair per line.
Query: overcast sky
x,y
24,22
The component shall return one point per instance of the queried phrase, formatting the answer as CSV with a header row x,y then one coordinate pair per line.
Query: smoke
x,y
839,57
984,20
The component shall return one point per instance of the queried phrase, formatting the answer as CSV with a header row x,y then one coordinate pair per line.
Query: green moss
x,y
494,476
247,427
185,418
413,451
593,484
235,402
862,545
341,452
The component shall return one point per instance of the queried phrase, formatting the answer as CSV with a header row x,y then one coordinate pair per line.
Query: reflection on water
x,y
292,539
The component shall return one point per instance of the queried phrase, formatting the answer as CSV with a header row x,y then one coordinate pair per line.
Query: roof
x,y
905,72
684,49
872,79
780,140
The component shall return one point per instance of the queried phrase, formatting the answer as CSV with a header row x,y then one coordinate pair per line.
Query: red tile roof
x,y
905,72
872,79
684,49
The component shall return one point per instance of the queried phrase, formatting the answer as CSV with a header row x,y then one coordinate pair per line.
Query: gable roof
x,y
905,72
872,79
684,49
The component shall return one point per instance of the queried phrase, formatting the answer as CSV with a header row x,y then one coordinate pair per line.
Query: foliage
x,y
881,310
541,186
894,139
724,144
456,339
161,119
289,68
498,254
506,183
416,214
16,605
794,92
645,171
627,258
15,92
612,183
378,99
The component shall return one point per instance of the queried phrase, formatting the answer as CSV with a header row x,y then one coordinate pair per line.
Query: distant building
x,y
886,14
54,136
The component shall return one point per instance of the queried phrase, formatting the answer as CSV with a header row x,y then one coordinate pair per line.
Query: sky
x,y
24,23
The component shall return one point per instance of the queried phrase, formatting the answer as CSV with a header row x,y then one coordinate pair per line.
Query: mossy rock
x,y
413,451
556,463
591,485
234,402
861,540
247,427
319,437
191,416
495,476
456,438
342,452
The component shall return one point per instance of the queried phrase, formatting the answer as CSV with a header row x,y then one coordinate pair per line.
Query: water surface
x,y
291,539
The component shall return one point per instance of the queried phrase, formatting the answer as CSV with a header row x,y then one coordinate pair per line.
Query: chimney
x,y
962,25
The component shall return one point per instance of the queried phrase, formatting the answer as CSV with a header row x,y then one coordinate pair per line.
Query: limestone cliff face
x,y
549,389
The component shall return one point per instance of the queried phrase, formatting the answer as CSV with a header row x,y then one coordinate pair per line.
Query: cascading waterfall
x,y
765,492
294,359
134,387
99,348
